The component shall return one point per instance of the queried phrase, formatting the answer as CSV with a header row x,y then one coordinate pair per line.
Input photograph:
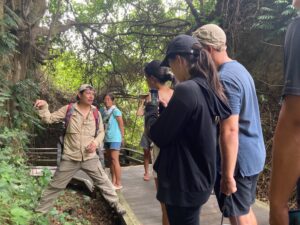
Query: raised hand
x,y
39,103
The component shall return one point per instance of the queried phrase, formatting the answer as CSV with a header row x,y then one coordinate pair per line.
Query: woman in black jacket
x,y
186,131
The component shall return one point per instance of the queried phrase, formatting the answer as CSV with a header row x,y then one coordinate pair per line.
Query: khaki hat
x,y
83,87
211,35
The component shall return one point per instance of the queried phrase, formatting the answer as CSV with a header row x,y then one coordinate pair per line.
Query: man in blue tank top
x,y
241,138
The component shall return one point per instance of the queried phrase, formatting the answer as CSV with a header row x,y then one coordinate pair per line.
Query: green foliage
x,y
20,215
66,71
67,219
134,125
123,35
55,6
25,93
111,50
18,191
8,41
24,116
4,97
275,17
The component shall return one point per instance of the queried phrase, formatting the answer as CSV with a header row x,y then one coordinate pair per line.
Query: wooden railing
x,y
52,156
43,156
130,154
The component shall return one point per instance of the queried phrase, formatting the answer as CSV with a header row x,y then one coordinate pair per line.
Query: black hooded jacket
x,y
186,133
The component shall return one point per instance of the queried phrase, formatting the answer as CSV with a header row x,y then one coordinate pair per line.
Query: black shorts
x,y
183,215
145,142
240,202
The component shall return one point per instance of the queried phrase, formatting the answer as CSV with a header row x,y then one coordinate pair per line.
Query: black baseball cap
x,y
180,44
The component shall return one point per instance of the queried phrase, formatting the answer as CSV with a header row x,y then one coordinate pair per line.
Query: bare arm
x,y
140,111
291,111
287,133
121,125
101,133
98,139
46,116
229,150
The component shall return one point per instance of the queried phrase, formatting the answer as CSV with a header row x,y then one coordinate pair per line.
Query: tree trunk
x,y
1,13
3,61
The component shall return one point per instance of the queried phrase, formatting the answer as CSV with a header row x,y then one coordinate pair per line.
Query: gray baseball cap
x,y
84,87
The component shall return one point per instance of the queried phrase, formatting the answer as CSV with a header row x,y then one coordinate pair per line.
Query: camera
x,y
154,96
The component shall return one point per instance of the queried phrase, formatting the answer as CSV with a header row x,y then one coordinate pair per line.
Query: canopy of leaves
x,y
102,42
112,40
275,17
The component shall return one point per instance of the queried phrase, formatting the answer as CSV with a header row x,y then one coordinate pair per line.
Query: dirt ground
x,y
77,206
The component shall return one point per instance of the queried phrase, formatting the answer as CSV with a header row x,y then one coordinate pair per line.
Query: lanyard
x,y
233,207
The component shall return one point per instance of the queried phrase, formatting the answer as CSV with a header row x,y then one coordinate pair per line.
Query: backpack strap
x,y
69,113
96,116
107,117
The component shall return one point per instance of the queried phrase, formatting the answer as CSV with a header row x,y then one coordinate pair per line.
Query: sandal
x,y
118,187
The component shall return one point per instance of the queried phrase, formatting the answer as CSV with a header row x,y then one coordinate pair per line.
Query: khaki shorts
x,y
155,153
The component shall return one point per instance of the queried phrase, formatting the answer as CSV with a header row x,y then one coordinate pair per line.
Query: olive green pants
x,y
64,174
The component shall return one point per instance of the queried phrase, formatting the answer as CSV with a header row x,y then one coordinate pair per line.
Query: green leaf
x,y
287,12
20,215
266,9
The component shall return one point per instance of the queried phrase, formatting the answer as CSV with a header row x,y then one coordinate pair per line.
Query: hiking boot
x,y
119,208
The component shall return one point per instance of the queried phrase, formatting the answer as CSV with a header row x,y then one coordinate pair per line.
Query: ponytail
x,y
162,74
201,64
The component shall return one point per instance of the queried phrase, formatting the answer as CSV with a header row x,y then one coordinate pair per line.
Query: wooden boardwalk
x,y
140,196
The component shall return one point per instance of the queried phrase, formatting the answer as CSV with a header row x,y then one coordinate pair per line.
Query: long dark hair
x,y
201,64
161,73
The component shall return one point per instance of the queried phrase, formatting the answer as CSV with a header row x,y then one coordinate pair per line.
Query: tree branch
x,y
202,11
53,22
139,23
44,31
194,12
95,48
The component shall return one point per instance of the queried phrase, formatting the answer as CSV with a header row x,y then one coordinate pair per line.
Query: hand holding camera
x,y
154,97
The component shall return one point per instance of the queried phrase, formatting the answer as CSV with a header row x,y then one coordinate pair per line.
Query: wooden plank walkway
x,y
140,196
